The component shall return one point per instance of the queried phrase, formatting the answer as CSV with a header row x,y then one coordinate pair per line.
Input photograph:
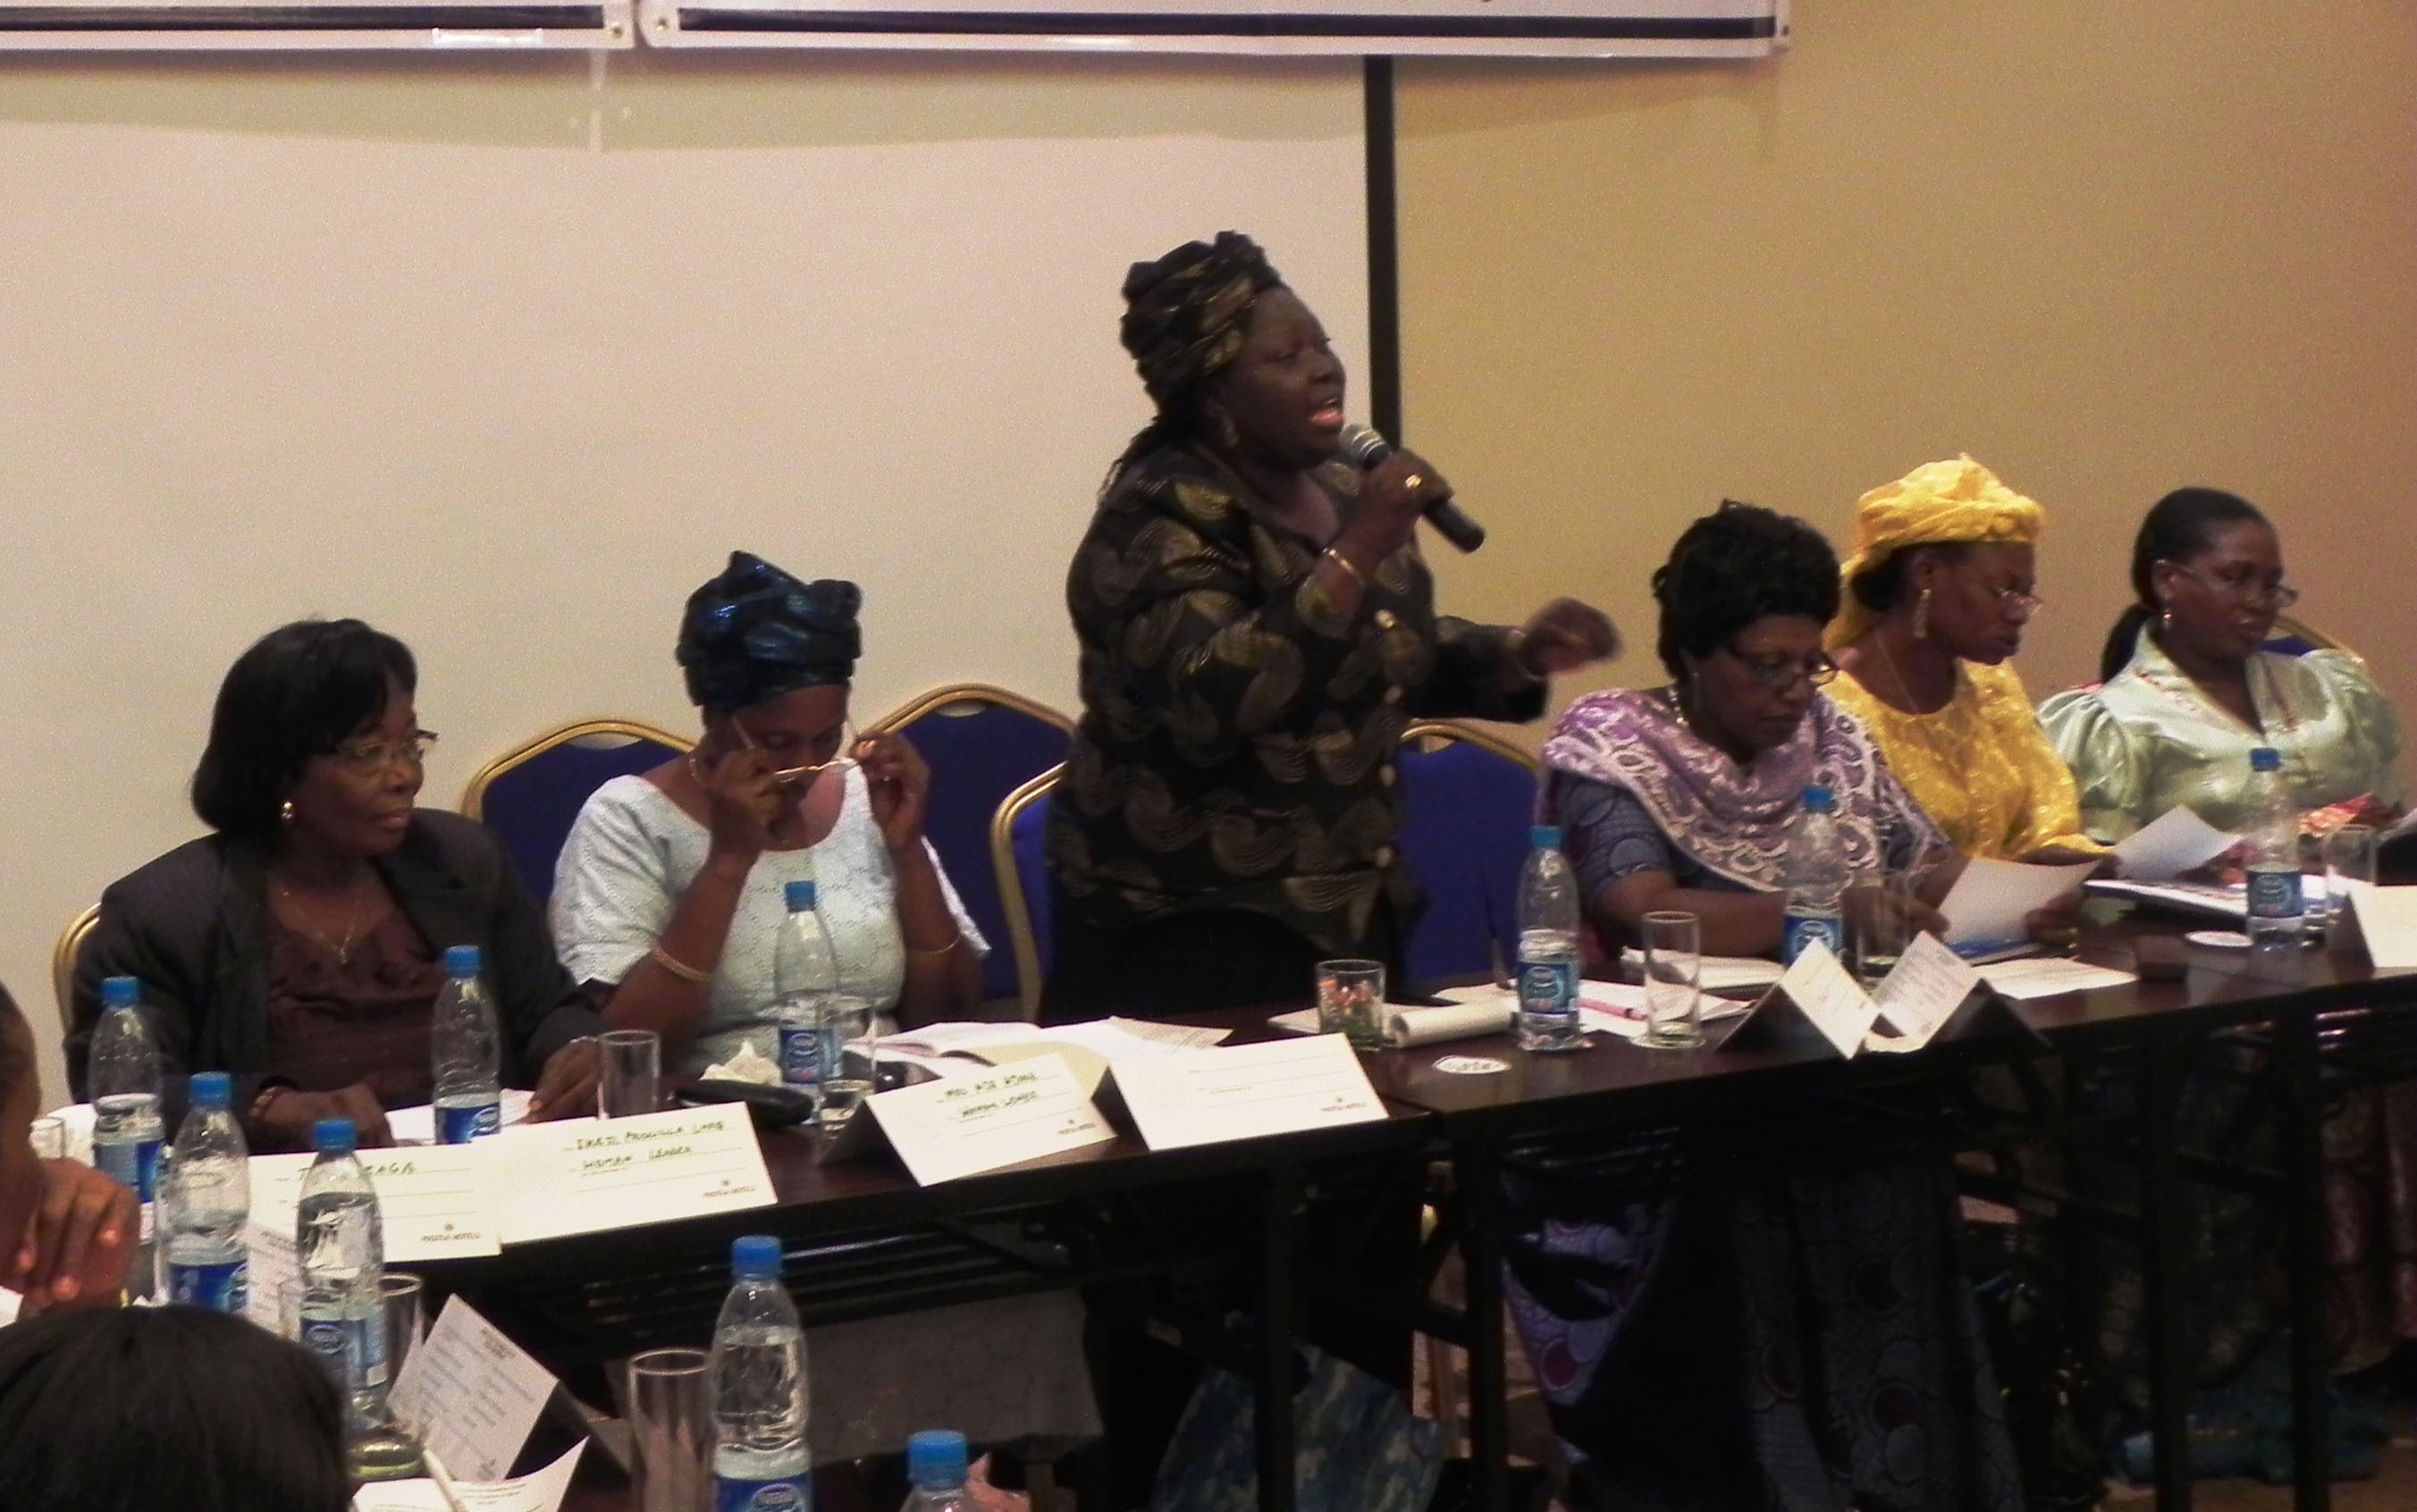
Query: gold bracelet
x,y
955,940
1345,563
680,969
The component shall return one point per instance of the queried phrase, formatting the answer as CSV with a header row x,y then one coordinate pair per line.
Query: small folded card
x,y
1931,994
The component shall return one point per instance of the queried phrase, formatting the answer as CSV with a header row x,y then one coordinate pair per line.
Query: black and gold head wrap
x,y
756,633
1186,315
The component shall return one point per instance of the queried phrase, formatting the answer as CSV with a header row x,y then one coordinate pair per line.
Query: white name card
x,y
2385,920
584,1176
971,1124
435,1201
1240,1092
538,1491
1828,998
1922,993
471,1394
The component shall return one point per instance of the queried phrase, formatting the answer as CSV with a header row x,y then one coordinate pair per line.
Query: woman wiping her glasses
x,y
669,895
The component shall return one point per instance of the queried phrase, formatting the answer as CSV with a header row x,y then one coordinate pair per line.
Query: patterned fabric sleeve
x,y
1467,682
613,893
1907,837
2372,720
1607,834
2110,770
2052,814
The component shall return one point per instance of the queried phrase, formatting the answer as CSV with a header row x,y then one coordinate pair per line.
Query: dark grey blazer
x,y
192,927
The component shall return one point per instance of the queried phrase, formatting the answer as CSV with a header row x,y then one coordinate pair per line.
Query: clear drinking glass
x,y
846,1058
49,1137
632,1081
2350,860
1351,1002
381,1448
671,1431
1674,969
1880,914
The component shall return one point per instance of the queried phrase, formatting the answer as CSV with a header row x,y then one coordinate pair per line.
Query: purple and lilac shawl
x,y
1733,820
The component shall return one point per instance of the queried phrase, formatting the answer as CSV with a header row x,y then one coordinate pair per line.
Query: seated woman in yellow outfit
x,y
1937,592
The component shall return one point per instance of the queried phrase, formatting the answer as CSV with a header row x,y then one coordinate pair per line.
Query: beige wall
x,y
2106,249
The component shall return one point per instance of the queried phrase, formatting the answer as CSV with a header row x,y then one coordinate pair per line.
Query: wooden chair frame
x,y
1483,739
474,793
1010,887
940,698
63,962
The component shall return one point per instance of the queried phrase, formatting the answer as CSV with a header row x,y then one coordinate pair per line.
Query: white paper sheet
x,y
1828,996
538,1491
272,1267
435,1201
471,1394
1921,993
2387,921
1203,1096
2050,976
584,1176
968,1125
1991,899
2177,842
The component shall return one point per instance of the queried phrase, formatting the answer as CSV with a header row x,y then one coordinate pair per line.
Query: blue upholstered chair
x,y
1469,800
2297,637
983,744
1019,859
531,796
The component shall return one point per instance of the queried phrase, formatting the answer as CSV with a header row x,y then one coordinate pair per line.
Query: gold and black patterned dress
x,y
1235,765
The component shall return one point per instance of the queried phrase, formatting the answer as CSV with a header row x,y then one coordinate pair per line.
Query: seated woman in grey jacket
x,y
300,947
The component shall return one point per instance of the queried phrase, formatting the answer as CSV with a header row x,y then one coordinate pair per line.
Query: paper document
x,y
2386,920
1203,1096
2051,977
272,1274
2208,899
539,1491
1020,1111
471,1394
1828,996
1921,993
1991,899
2178,841
435,1201
584,1175
418,1125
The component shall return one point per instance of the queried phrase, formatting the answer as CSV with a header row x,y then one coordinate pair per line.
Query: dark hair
x,y
300,691
2182,524
15,1065
1877,588
155,1407
1733,567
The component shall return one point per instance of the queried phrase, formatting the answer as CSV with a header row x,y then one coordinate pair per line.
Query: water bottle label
x,y
369,1348
792,1494
1803,929
801,1056
460,1126
132,1164
2275,895
1548,987
222,1287
332,1340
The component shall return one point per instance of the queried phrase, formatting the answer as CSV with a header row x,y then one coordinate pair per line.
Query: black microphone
x,y
1366,447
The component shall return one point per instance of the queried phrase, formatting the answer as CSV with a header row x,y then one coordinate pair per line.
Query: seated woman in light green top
x,y
2188,693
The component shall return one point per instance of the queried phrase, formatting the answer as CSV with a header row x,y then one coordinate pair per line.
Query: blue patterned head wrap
x,y
756,633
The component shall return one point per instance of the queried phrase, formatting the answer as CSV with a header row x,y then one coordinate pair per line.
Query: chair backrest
x,y
1019,860
1469,800
532,794
981,744
63,962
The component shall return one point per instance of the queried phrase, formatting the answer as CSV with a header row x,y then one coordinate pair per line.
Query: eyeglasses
x,y
369,757
797,779
2242,584
1776,673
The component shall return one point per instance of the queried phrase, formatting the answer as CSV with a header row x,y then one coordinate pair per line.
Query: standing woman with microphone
x,y
1257,629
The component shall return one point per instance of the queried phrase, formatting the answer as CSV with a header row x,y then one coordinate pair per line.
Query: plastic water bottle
x,y
1548,947
340,1244
2278,904
935,1467
805,975
1815,876
759,1389
204,1198
465,1049
123,1071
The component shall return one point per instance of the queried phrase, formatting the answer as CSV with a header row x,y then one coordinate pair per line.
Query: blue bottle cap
x,y
121,991
799,894
755,1257
333,1136
2265,758
1545,837
210,1089
935,1460
1818,800
461,961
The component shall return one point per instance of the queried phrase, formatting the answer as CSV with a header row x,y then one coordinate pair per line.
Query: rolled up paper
x,y
1454,1021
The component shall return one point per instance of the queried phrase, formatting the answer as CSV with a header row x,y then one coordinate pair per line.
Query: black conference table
x,y
866,1241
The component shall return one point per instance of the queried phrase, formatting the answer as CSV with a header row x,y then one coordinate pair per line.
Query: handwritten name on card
x,y
967,1125
436,1202
1241,1091
585,1175
1921,994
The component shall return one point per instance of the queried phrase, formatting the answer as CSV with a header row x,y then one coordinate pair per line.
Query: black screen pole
x,y
1384,253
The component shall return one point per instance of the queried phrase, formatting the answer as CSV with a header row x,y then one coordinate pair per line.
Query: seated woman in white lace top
x,y
668,897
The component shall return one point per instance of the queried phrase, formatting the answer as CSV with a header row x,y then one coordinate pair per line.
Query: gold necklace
x,y
341,950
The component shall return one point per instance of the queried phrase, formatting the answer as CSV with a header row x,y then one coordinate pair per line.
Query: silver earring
x,y
285,810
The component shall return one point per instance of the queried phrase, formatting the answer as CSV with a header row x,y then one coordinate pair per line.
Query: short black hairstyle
x,y
1733,567
299,691
2178,526
153,1407
1878,588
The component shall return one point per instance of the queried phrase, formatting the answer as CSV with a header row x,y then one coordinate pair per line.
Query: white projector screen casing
x,y
505,358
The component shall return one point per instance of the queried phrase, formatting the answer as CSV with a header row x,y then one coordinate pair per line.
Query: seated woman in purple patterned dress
x,y
1789,1330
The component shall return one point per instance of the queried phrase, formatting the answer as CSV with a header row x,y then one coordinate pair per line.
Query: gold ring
x,y
1412,482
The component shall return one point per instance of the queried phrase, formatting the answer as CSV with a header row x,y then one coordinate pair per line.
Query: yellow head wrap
x,y
1938,503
